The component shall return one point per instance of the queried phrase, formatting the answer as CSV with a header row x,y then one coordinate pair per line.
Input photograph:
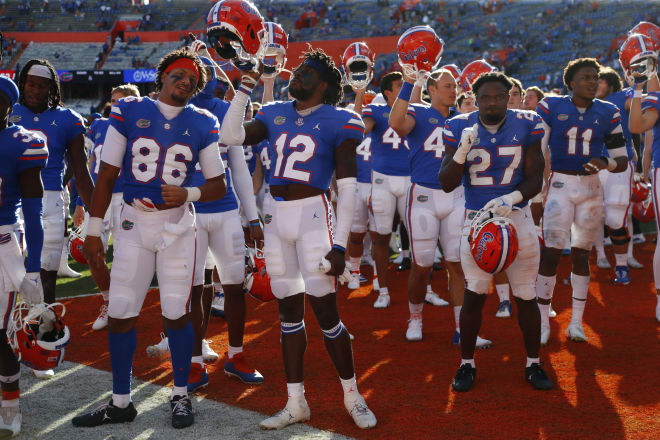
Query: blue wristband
x,y
406,91
34,232
339,248
254,223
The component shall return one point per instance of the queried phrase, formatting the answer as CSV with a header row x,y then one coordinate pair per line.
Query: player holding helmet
x,y
497,154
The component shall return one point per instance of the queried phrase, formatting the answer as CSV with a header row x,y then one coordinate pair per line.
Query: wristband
x,y
194,193
94,227
637,93
611,163
339,248
406,91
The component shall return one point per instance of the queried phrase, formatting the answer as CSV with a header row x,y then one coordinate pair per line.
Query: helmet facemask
x,y
228,45
645,68
359,74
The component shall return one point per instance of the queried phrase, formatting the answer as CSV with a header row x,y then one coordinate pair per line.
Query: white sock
x,y
179,391
405,254
429,289
415,310
355,264
233,351
467,361
531,361
295,390
104,294
545,315
13,403
544,288
383,291
350,387
502,292
457,316
580,285
197,359
121,400
621,259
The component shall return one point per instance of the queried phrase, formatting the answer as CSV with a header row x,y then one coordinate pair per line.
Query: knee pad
x,y
174,306
525,292
619,236
555,238
334,332
122,306
320,285
290,328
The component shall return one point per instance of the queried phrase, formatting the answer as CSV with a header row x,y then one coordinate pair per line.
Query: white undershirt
x,y
169,111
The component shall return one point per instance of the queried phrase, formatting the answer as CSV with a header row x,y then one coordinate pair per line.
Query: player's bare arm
x,y
84,182
100,200
533,167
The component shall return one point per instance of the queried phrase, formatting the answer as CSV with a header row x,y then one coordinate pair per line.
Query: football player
x,y
533,95
516,95
390,178
157,144
111,220
40,110
465,103
309,139
22,156
497,154
431,213
578,128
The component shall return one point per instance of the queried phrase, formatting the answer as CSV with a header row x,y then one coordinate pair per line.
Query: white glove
x,y
502,206
422,77
467,139
32,291
197,46
325,266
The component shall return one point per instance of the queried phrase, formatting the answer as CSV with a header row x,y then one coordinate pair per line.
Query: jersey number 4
x,y
145,163
483,161
300,149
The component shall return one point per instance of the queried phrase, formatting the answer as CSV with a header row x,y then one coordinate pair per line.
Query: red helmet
x,y
419,48
235,29
75,245
638,54
650,30
276,44
358,62
38,335
257,280
472,72
640,191
493,242
453,69
644,211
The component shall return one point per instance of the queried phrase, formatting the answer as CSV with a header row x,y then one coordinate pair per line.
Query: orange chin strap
x,y
184,63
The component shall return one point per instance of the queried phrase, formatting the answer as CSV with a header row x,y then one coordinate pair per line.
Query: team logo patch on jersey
x,y
300,122
379,181
557,184
268,218
143,123
433,121
279,120
127,225
562,117
422,198
386,115
14,118
5,238
472,215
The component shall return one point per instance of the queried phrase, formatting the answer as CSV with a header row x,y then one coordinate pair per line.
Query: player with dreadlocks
x,y
40,110
309,140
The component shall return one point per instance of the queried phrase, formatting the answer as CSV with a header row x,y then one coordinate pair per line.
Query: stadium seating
x,y
70,56
125,56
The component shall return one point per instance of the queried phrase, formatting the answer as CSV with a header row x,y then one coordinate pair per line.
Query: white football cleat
x,y
160,350
638,238
603,263
545,334
366,260
295,411
483,343
354,283
10,421
102,321
383,301
575,332
207,352
358,409
414,332
43,374
552,313
634,264
435,300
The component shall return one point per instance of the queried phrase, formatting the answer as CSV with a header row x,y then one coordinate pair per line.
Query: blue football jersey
x,y
426,146
576,138
96,133
21,149
261,151
652,103
58,127
218,108
389,150
302,148
619,99
363,156
160,151
494,165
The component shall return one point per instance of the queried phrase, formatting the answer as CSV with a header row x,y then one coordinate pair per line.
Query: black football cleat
x,y
405,264
107,413
182,413
464,378
535,375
